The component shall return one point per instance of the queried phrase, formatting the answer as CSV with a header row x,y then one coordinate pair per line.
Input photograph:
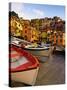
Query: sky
x,y
31,11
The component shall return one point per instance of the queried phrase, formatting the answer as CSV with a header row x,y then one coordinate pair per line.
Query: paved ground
x,y
51,72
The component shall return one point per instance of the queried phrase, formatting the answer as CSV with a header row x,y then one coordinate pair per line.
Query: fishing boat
x,y
23,65
39,51
28,45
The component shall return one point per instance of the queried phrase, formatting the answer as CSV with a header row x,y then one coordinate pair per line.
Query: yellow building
x,y
15,26
34,34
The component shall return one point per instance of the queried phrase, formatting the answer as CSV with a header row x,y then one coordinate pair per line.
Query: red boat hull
x,y
32,60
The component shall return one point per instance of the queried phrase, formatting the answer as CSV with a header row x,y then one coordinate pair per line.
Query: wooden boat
x,y
40,51
23,66
43,54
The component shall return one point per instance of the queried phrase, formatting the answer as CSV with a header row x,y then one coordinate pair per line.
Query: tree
x,y
44,37
12,13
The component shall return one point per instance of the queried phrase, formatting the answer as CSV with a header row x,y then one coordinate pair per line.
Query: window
x,y
60,40
25,26
33,36
25,31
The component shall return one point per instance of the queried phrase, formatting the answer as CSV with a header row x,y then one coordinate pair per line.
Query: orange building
x,y
30,34
63,39
27,33
58,38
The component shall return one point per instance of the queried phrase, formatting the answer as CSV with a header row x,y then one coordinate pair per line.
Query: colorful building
x,y
57,38
30,34
15,26
35,30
